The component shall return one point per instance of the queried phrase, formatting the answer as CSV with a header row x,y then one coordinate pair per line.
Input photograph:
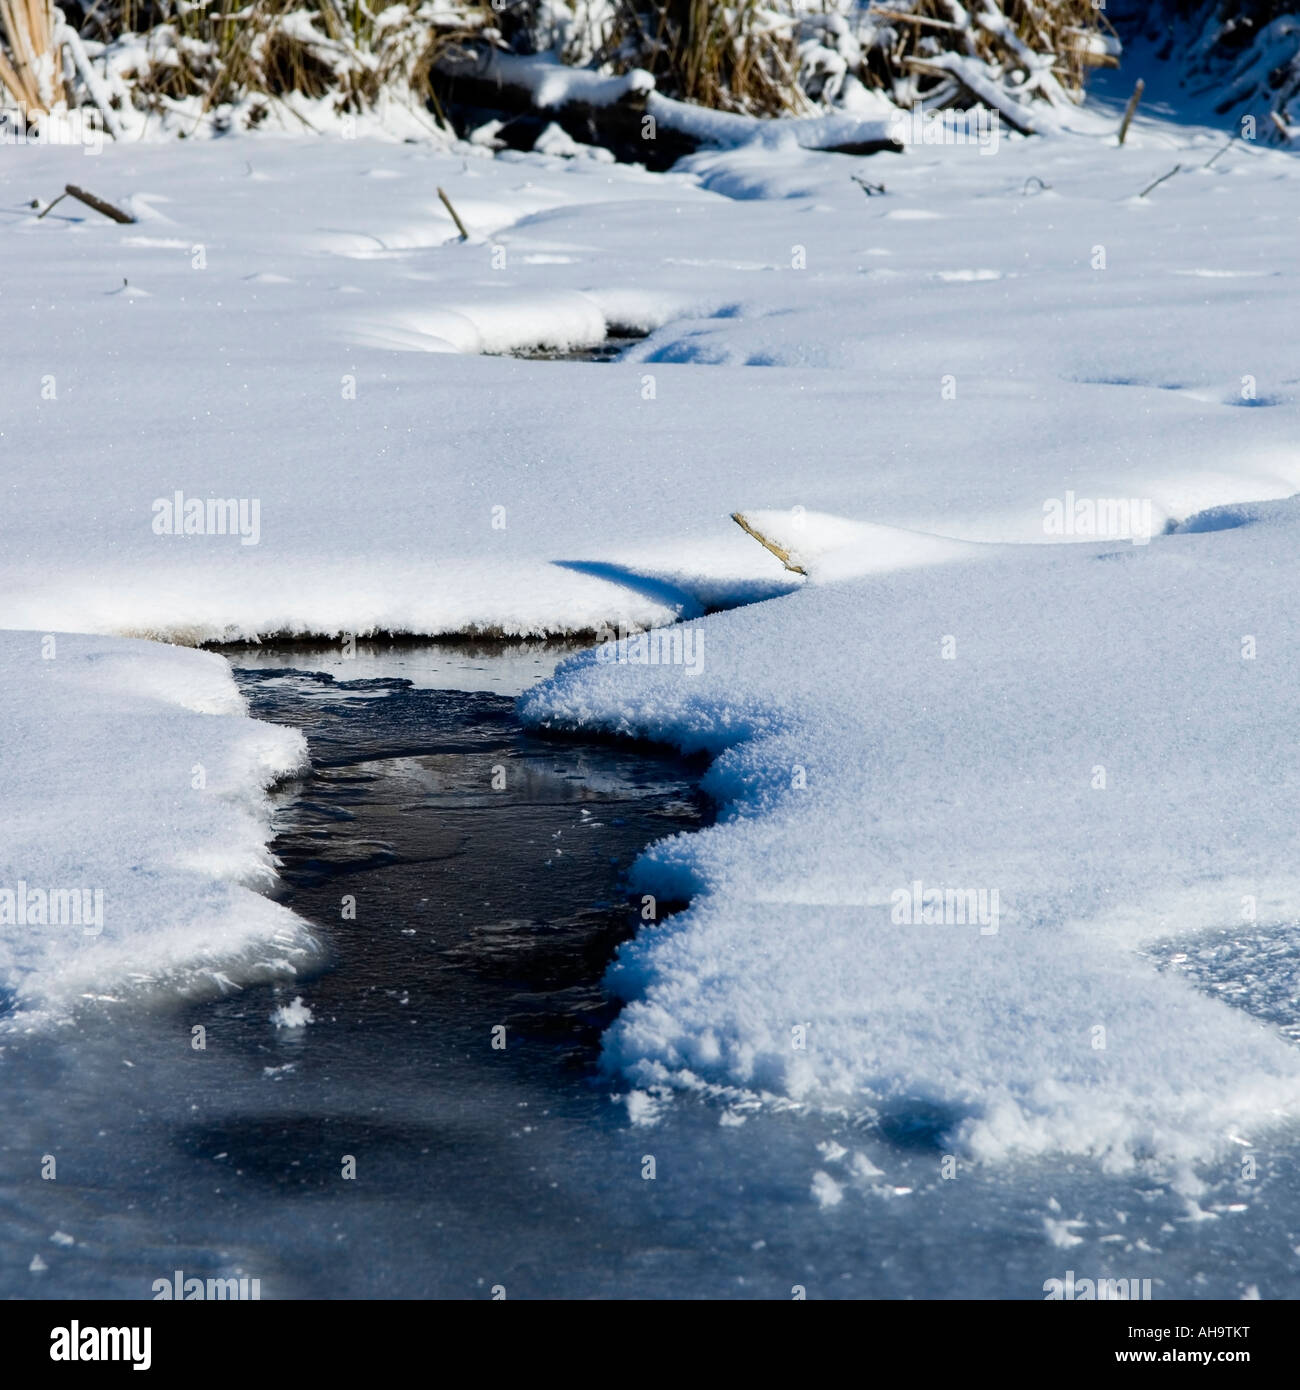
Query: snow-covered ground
x,y
1079,720
135,828
291,326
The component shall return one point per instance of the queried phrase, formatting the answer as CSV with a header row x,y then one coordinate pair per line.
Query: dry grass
x,y
760,57
748,56
224,50
1015,37
740,57
31,62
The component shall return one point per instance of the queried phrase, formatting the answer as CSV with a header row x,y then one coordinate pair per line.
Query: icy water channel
x,y
515,1168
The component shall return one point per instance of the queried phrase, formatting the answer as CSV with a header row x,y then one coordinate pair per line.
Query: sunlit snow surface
x,y
312,335
1099,727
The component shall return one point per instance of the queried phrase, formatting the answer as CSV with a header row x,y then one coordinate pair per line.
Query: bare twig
x,y
53,204
1160,180
782,555
1222,150
869,188
1138,88
455,216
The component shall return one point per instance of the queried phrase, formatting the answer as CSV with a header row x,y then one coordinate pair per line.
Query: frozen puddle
x,y
465,876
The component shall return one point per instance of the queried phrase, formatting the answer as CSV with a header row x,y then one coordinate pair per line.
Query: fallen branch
x,y
80,194
782,555
1160,180
1138,88
455,216
1221,150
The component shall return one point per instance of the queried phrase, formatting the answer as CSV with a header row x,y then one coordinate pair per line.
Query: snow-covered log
x,y
625,114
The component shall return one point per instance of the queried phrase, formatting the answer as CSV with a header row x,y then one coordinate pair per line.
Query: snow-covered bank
x,y
289,325
1091,746
135,825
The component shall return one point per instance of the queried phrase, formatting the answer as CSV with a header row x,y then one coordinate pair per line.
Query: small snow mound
x,y
295,1015
1061,1233
826,1192
643,1109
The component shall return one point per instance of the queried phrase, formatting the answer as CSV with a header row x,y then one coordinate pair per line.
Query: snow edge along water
x,y
135,802
808,968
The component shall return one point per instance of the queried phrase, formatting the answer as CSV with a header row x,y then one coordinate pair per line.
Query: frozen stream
x,y
519,1167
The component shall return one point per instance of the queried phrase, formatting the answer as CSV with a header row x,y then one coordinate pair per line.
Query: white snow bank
x,y
896,361
1077,748
135,825
559,320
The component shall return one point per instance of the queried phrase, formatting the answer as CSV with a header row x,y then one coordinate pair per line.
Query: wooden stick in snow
x,y
1160,180
1138,88
455,216
80,194
53,203
782,555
